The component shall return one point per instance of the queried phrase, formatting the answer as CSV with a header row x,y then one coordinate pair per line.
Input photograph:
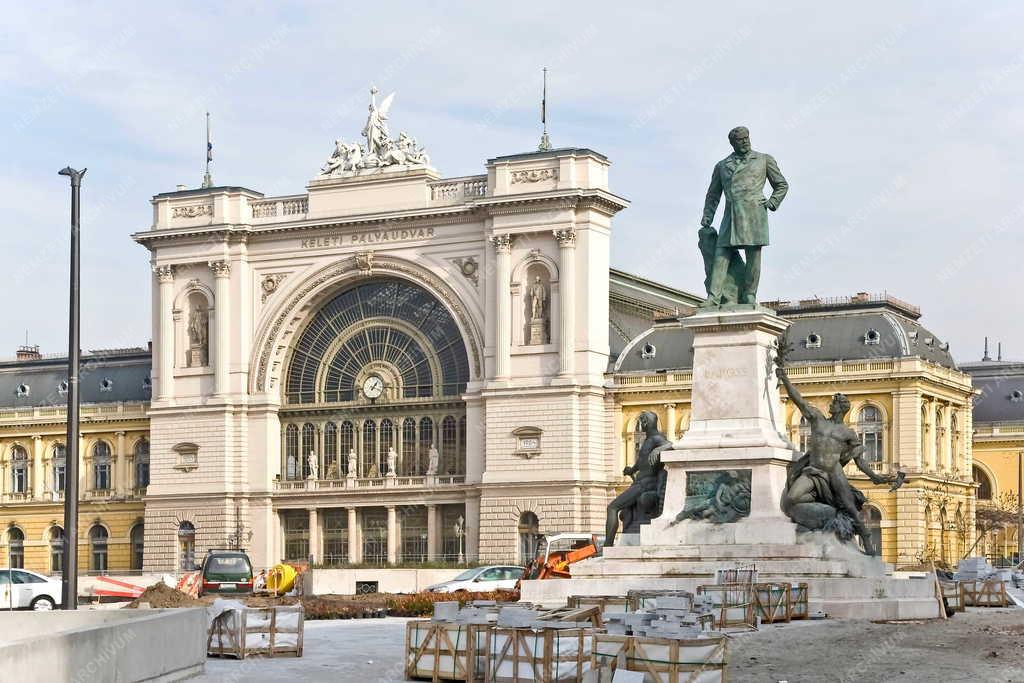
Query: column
x,y
353,538
120,471
472,529
38,470
567,290
670,420
221,324
392,532
165,360
503,337
314,535
432,537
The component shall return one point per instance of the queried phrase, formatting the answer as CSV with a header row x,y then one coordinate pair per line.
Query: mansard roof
x,y
1000,386
110,375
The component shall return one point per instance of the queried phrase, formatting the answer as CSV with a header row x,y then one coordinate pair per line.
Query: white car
x,y
28,590
481,579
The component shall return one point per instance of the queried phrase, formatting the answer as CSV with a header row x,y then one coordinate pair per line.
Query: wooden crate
x,y
550,655
773,602
733,604
263,631
662,660
642,599
953,595
442,651
798,601
984,594
607,603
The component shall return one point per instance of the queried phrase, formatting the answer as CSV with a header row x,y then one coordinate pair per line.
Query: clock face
x,y
373,386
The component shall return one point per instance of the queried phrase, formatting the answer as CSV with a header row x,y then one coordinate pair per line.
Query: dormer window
x,y
62,388
22,391
106,384
929,341
648,351
872,337
1017,395
813,341
147,384
913,335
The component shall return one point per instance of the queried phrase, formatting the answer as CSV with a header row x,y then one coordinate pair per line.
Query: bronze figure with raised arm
x,y
818,495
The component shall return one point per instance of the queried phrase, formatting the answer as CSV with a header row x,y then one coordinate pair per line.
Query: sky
x,y
897,126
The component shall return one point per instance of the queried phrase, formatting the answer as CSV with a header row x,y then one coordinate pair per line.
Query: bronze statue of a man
x,y
741,177
647,481
818,496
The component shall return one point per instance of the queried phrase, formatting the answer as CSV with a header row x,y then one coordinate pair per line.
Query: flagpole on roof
x,y
207,179
545,142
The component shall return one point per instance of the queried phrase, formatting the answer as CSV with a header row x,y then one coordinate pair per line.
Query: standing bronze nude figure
x,y
741,177
818,495
642,501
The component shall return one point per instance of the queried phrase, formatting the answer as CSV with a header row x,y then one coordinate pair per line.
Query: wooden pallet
x,y
442,651
772,602
984,594
733,604
798,601
520,655
662,660
953,595
257,631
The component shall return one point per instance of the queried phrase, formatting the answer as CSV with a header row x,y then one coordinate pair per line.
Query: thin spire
x,y
545,142
207,179
986,356
999,351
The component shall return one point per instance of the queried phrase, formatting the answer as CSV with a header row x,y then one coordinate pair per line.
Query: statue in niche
x,y
432,460
353,464
643,500
538,320
818,496
392,462
198,336
313,465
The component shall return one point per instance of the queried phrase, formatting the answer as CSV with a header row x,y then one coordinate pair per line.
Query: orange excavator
x,y
557,552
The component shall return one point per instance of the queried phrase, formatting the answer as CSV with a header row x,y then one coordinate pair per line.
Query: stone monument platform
x,y
725,481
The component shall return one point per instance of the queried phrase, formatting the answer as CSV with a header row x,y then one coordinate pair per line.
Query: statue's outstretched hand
x,y
705,222
780,372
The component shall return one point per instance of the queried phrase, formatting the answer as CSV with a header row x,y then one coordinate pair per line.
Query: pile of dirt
x,y
162,595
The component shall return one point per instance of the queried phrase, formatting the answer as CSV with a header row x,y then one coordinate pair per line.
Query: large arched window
x,y
870,427
409,460
292,471
392,326
449,446
928,458
939,461
370,468
101,466
984,483
19,470
426,441
954,440
98,537
387,442
142,464
56,550
331,470
308,447
16,547
138,536
60,464
347,443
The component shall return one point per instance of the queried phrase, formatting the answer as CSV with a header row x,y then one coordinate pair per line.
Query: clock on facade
x,y
373,387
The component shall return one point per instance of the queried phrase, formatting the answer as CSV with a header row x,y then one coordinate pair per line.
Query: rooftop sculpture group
x,y
380,150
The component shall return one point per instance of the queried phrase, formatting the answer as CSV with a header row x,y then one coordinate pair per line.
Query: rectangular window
x,y
20,483
296,536
335,537
59,475
56,558
101,471
99,557
872,446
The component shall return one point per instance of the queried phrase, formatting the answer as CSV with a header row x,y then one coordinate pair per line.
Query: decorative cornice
x,y
220,268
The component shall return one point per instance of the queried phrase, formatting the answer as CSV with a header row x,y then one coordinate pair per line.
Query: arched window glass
x,y
56,550
187,546
872,518
461,469
954,440
938,438
426,440
369,454
870,428
984,483
308,446
98,548
138,536
101,467
60,463
19,470
387,442
804,434
529,536
410,461
346,443
331,470
291,453
16,547
142,464
449,446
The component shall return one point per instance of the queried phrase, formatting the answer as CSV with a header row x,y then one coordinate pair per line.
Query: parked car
x,y
22,589
226,571
480,579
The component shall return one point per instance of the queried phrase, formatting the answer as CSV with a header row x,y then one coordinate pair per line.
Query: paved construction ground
x,y
981,645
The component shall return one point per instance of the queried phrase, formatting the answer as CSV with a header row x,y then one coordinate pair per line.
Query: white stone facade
x,y
240,278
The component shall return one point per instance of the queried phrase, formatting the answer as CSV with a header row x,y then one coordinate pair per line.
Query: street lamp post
x,y
460,534
69,577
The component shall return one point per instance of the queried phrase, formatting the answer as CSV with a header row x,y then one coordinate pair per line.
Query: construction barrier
x,y
984,594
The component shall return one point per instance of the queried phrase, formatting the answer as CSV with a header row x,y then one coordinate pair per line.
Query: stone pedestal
x,y
735,424
537,329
